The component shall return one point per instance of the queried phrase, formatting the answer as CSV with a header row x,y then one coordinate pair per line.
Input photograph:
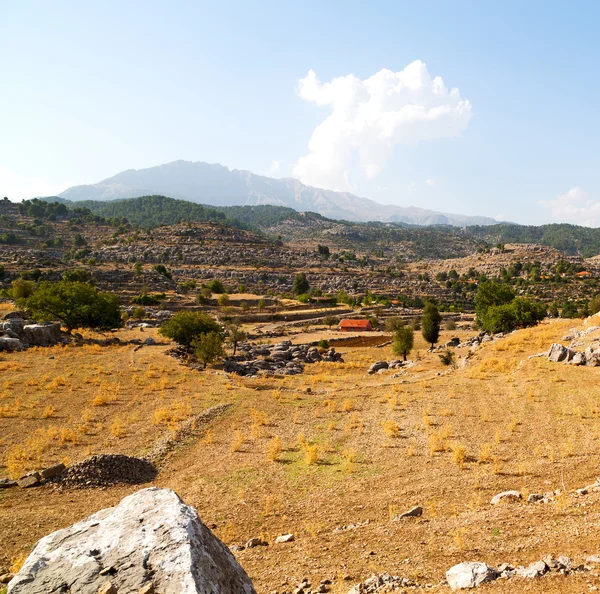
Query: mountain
x,y
218,186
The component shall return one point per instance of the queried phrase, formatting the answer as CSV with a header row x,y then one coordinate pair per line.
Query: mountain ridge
x,y
217,185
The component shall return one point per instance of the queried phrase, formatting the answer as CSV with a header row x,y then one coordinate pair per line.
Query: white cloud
x,y
369,117
274,168
430,182
574,207
19,187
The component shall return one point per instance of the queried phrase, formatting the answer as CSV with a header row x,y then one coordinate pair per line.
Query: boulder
x,y
285,538
52,471
41,334
470,575
578,359
10,344
557,353
31,479
150,537
506,496
378,365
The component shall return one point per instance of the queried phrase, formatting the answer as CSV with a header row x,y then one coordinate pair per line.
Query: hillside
x,y
217,185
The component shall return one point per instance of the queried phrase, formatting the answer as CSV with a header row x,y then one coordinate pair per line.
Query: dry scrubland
x,y
355,448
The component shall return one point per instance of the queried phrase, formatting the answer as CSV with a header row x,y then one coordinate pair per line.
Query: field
x,y
328,449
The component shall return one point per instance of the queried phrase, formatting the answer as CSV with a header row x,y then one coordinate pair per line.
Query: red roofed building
x,y
355,326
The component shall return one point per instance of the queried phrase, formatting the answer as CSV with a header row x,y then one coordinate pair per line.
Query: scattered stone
x,y
256,542
150,536
593,560
147,589
413,512
506,496
381,583
470,575
285,538
107,588
532,571
377,366
557,353
10,344
107,469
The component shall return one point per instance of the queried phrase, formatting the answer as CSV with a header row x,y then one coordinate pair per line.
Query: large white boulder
x,y
151,537
470,575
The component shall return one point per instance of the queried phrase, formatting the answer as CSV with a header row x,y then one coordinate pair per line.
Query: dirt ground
x,y
355,450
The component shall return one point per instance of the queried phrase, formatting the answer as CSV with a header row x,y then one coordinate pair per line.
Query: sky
x,y
480,108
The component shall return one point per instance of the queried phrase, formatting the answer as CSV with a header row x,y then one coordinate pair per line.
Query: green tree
x,y
162,269
330,321
490,293
184,326
138,268
323,251
404,340
430,323
519,313
223,300
235,334
75,304
208,347
301,284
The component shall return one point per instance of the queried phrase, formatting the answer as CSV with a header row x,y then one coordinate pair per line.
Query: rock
x,y
150,536
31,479
285,538
383,582
7,483
10,344
147,589
506,496
5,578
557,353
107,588
535,498
470,575
413,512
53,471
41,334
578,359
532,571
255,542
149,341
375,367
593,560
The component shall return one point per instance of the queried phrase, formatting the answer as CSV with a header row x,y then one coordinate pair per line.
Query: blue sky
x,y
90,89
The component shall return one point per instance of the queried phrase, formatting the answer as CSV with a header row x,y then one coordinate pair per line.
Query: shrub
x,y
490,294
78,275
216,286
145,299
304,298
324,344
447,357
520,313
22,288
223,300
184,326
162,269
75,304
138,313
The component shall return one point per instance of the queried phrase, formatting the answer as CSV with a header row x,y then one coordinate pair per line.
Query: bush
x,y
31,275
491,294
187,286
448,358
78,275
138,313
146,299
216,286
223,300
22,288
304,298
75,304
162,269
324,344
2,272
185,326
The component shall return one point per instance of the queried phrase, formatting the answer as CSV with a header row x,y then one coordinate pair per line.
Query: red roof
x,y
355,324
